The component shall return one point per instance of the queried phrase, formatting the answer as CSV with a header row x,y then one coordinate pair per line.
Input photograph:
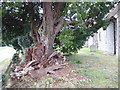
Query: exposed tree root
x,y
37,67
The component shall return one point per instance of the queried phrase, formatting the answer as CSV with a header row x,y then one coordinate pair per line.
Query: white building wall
x,y
90,41
93,40
106,39
118,35
102,38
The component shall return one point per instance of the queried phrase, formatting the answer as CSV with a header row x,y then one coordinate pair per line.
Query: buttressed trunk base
x,y
44,34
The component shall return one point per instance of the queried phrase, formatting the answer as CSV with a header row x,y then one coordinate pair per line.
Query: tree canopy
x,y
81,20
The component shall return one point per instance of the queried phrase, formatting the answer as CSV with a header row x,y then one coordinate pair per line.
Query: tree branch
x,y
58,9
74,23
59,26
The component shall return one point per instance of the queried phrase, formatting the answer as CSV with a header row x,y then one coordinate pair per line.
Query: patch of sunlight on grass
x,y
99,52
4,64
84,50
87,51
1,48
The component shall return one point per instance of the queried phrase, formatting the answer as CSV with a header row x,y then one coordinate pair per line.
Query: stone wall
x,y
106,39
118,34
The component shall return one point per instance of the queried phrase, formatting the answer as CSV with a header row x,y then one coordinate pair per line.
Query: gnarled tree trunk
x,y
44,32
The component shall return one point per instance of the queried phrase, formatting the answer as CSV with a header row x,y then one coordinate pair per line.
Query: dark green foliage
x,y
22,42
4,81
89,16
15,58
17,18
16,23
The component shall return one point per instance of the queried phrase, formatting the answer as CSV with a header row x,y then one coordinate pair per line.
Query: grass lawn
x,y
4,64
101,69
85,69
1,48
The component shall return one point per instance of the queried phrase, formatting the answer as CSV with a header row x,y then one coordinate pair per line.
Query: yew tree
x,y
40,27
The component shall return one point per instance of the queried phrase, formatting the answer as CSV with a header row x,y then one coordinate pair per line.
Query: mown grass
x,y
4,64
87,51
1,48
101,69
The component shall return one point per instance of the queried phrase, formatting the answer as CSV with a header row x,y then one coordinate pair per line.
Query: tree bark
x,y
44,32
49,28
